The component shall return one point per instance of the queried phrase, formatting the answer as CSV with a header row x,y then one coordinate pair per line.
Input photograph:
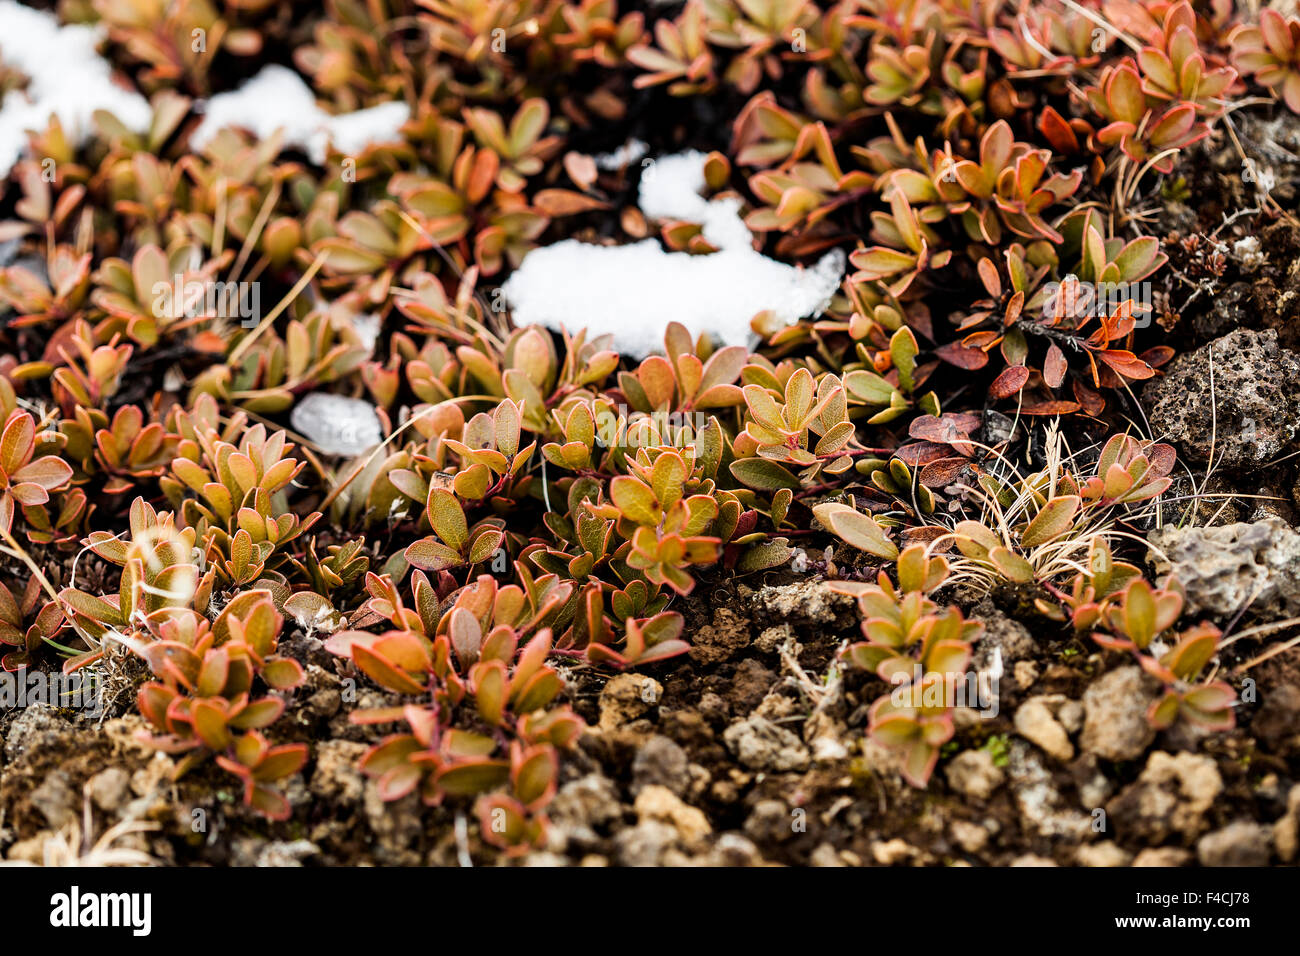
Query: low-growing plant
x,y
482,724
994,172
921,649
1123,612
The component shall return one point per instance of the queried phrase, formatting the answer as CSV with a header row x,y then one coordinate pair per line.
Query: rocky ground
x,y
752,749
745,753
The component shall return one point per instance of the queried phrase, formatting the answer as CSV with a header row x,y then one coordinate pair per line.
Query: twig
x,y
274,314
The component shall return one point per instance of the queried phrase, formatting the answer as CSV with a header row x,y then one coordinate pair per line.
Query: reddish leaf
x,y
1011,381
938,474
1054,366
921,453
1157,356
1126,364
1057,131
1089,399
954,353
1050,408
564,202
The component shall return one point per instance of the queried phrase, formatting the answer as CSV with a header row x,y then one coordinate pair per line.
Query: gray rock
x,y
808,602
769,821
662,805
591,799
1255,411
733,849
109,789
1286,829
395,826
1036,723
286,853
1001,633
660,762
1103,854
1115,723
1041,804
580,809
1238,844
336,777
1162,856
645,843
1169,799
974,774
826,856
971,837
627,697
38,727
761,745
55,799
1224,313
1223,567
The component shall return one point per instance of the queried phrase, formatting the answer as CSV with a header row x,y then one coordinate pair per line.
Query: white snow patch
x,y
1249,253
367,328
634,291
336,424
66,78
277,98
625,155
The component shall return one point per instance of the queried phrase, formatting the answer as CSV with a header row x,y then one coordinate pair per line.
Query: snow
x,y
66,78
634,291
277,98
367,328
625,155
336,424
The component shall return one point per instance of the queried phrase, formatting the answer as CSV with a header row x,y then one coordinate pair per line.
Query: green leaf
x,y
762,474
767,554
535,777
91,607
635,500
857,529
1139,610
1011,565
280,762
1053,520
383,673
471,776
903,350
448,519
799,393
912,569
489,680
506,425
485,544
282,673
868,387
429,554
209,722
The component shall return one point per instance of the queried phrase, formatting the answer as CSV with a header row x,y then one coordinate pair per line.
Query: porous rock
x,y
761,745
1115,725
1170,798
1255,411
1222,568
